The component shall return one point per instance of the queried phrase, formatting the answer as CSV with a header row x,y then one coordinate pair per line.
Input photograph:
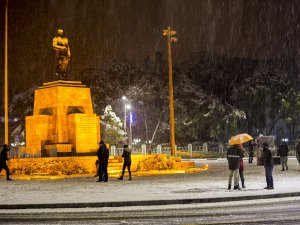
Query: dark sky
x,y
100,31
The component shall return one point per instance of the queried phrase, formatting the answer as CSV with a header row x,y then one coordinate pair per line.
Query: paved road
x,y
274,211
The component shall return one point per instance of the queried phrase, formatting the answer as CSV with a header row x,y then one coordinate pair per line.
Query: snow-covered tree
x,y
111,127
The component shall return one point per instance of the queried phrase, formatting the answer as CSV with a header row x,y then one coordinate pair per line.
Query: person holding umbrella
x,y
234,157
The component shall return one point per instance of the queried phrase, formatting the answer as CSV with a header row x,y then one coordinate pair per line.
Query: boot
x,y
243,184
130,178
236,188
229,186
120,178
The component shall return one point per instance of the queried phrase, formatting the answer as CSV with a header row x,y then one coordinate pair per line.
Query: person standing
x,y
241,168
3,159
298,151
103,156
251,151
127,161
283,152
269,165
233,158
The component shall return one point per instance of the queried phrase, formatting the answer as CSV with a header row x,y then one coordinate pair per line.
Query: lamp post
x,y
169,33
130,130
126,107
6,78
124,99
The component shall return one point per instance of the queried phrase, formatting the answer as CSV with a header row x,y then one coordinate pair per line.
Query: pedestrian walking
x,y
283,153
269,165
241,168
233,158
298,151
3,159
251,151
103,155
127,161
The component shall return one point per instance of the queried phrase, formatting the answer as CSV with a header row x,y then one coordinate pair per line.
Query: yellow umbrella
x,y
240,139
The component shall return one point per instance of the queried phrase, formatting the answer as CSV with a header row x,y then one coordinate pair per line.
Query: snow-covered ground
x,y
205,184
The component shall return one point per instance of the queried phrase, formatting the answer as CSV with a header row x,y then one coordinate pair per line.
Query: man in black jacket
x,y
127,161
103,156
234,154
269,165
3,159
283,152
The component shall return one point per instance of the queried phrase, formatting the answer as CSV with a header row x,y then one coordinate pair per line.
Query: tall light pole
x,y
130,130
169,33
6,78
126,107
124,99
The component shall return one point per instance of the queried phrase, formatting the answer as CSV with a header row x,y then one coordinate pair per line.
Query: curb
x,y
146,202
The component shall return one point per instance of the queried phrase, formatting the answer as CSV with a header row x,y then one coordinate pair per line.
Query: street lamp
x,y
126,107
6,78
130,130
124,98
169,33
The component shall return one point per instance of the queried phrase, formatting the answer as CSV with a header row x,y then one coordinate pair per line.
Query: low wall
x,y
115,162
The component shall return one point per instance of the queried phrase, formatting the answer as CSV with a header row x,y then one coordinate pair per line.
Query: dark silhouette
x,y
298,151
103,156
283,153
269,165
251,151
233,158
127,161
3,159
241,169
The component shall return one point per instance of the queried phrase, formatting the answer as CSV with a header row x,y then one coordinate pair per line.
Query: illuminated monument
x,y
63,122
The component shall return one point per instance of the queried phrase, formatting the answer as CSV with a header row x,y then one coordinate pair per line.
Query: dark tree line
x,y
215,97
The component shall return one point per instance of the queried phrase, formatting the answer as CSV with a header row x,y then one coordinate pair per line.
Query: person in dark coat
x,y
269,165
127,161
298,151
241,168
3,159
283,153
233,158
251,151
103,156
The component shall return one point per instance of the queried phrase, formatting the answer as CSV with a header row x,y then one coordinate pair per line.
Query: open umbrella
x,y
240,139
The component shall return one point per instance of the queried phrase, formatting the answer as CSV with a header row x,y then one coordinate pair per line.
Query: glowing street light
x,y
130,130
169,33
126,107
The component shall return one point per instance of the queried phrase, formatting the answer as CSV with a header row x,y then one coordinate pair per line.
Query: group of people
x,y
235,155
102,162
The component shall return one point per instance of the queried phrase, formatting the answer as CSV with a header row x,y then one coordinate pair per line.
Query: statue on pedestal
x,y
61,47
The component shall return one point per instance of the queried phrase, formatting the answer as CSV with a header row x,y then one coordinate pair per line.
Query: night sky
x,y
101,31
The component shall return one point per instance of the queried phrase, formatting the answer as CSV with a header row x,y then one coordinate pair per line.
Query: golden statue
x,y
61,47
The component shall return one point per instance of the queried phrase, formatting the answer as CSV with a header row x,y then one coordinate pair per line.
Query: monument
x,y
63,122
61,47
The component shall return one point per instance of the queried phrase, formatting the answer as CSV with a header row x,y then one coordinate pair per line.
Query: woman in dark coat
x,y
127,161
3,159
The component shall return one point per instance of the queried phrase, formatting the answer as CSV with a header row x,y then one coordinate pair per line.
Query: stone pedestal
x,y
63,122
